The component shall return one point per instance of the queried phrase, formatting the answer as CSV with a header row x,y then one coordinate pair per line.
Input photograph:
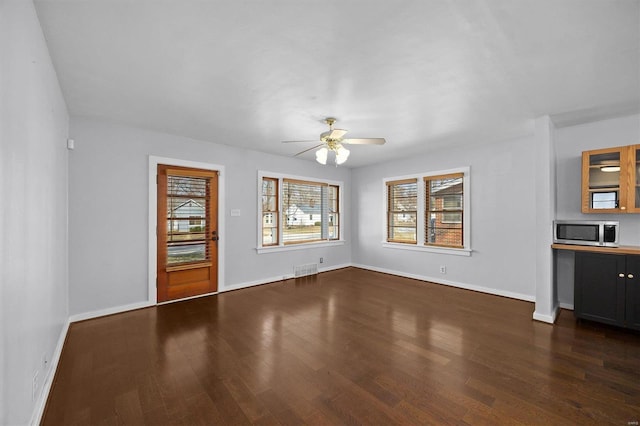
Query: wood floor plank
x,y
345,347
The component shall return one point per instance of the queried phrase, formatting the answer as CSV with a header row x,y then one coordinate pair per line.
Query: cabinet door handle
x,y
621,275
630,276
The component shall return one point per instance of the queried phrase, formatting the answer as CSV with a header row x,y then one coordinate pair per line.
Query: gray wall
x,y
108,181
49,272
570,142
33,218
502,219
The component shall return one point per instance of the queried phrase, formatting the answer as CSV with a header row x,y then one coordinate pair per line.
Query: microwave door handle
x,y
601,234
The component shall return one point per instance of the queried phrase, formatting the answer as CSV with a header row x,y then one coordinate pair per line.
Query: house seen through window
x,y
428,210
298,211
443,196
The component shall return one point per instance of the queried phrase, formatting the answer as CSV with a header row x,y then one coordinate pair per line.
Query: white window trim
x,y
420,231
298,246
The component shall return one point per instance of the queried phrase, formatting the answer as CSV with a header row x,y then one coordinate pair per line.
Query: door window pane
x,y
187,226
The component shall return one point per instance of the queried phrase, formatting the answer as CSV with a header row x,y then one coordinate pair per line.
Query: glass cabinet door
x,y
635,178
602,191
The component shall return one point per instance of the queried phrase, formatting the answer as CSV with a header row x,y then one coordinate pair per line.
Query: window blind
x,y
444,208
187,224
302,207
402,210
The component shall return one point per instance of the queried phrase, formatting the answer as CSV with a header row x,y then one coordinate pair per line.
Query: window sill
x,y
430,249
299,246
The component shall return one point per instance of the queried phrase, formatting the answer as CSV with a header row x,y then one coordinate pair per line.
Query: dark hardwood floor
x,y
345,347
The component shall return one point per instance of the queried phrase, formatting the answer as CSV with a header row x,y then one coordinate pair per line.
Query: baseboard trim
x,y
480,289
568,306
248,284
41,402
278,278
109,311
139,305
549,319
334,268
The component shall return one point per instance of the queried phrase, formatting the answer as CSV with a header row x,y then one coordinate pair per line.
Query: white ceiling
x,y
421,73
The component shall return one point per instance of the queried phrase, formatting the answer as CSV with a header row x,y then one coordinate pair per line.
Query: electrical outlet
x,y
322,260
443,269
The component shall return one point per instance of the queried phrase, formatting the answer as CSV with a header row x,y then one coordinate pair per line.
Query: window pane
x,y
604,200
403,219
402,234
187,225
269,229
269,186
301,233
452,202
445,237
334,226
270,214
187,186
404,197
332,195
303,211
182,230
302,207
181,253
402,211
334,212
269,203
444,196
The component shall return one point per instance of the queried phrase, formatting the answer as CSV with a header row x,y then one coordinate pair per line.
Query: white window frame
x,y
302,245
421,204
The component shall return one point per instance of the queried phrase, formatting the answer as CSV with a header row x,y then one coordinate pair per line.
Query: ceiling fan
x,y
332,141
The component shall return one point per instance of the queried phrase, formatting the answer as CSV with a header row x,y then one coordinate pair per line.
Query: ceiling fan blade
x,y
301,141
337,133
364,141
310,149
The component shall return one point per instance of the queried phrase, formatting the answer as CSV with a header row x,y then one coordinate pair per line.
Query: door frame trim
x,y
153,217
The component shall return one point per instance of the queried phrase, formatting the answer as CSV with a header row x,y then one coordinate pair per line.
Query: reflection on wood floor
x,y
346,347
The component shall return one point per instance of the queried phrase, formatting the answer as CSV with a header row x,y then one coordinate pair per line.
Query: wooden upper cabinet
x,y
611,180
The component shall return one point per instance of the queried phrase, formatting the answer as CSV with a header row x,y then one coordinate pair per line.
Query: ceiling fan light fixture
x,y
321,155
342,154
331,144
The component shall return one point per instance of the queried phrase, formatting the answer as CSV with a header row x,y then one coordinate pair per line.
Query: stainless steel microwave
x,y
586,232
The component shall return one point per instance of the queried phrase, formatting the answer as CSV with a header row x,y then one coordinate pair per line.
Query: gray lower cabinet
x,y
607,288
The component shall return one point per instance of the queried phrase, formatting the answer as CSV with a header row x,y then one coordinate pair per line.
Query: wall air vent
x,y
304,270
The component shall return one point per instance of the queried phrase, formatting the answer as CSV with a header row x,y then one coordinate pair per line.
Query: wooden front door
x,y
187,232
